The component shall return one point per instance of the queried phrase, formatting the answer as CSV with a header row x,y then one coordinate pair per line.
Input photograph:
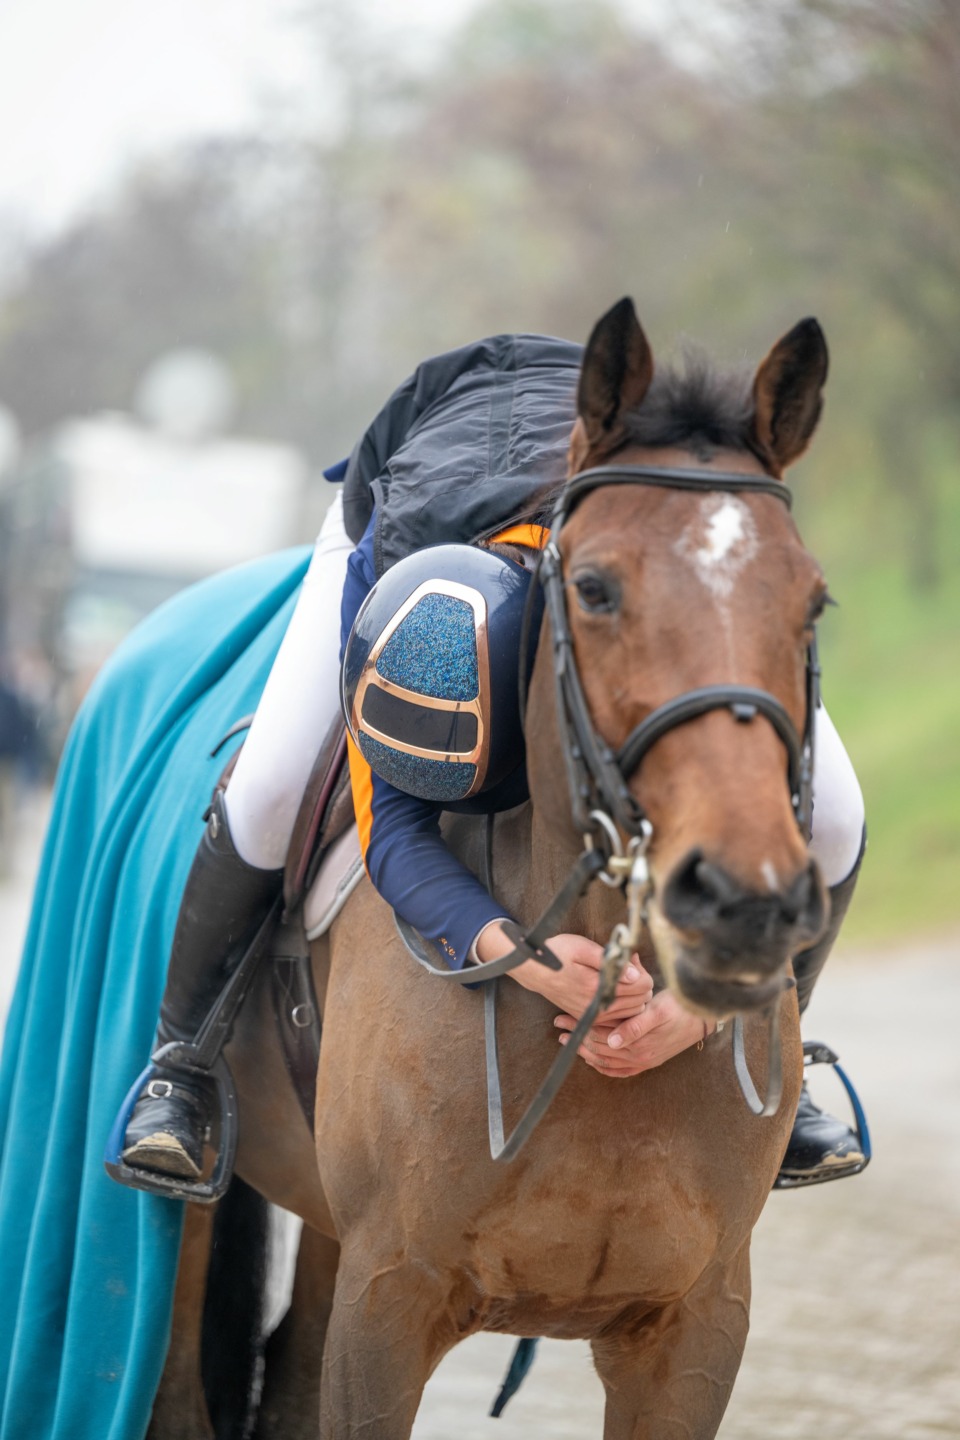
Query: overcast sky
x,y
86,86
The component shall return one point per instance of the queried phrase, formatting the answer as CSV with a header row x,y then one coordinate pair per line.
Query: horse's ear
x,y
787,394
615,376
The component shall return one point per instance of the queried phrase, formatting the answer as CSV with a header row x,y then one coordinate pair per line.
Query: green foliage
x,y
892,681
505,35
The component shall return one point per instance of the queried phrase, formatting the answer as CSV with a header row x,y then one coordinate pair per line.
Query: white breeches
x,y
302,696
838,812
300,699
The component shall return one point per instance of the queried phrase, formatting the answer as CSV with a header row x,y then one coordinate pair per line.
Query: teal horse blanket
x,y
87,1268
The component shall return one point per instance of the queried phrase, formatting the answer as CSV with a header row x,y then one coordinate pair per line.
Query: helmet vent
x,y
448,732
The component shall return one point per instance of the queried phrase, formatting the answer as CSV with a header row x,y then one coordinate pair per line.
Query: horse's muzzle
x,y
733,944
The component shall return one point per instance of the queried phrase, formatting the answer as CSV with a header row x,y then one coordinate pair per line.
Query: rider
x,y
462,451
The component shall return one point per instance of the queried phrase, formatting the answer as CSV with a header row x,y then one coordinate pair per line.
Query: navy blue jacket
x,y
473,442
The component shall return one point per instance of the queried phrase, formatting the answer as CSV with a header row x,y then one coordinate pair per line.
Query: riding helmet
x,y
430,678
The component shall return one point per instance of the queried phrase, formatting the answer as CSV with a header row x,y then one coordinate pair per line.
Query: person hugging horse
x,y
467,456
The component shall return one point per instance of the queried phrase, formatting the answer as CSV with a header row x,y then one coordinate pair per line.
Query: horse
x,y
627,1218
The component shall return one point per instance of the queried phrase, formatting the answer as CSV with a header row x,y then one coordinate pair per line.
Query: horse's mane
x,y
691,404
694,405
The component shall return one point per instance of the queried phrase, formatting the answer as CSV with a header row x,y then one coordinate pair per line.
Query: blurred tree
x,y
767,159
556,161
862,102
181,257
253,249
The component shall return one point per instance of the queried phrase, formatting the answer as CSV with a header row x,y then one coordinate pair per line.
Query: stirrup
x,y
202,1056
184,1056
816,1053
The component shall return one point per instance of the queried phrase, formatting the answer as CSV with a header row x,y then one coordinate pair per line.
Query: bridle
x,y
602,806
598,779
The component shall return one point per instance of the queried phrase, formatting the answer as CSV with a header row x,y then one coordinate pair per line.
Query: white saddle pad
x,y
340,874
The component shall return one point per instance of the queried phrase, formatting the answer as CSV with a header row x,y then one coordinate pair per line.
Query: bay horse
x,y
627,1218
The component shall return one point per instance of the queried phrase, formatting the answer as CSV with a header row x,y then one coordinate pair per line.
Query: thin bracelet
x,y
706,1033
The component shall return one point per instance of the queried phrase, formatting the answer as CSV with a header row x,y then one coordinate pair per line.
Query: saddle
x,y
322,869
325,814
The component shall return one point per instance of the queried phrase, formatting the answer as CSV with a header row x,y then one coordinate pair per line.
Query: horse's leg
x,y
179,1409
290,1406
390,1326
670,1374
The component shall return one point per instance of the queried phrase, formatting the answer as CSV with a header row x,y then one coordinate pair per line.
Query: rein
x,y
603,807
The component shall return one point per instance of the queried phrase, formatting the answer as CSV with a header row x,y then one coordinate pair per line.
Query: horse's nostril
x,y
797,898
717,884
702,895
803,902
698,891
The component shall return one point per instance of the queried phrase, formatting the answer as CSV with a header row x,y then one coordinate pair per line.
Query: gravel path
x,y
856,1313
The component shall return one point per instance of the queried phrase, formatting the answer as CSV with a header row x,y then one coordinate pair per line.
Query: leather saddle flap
x,y
326,811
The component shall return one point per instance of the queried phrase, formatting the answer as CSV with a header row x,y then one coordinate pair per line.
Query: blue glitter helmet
x,y
430,679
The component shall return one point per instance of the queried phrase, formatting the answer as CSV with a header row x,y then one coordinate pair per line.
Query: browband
x,y
673,479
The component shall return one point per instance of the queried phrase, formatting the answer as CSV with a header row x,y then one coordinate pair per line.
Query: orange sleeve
x,y
361,783
534,537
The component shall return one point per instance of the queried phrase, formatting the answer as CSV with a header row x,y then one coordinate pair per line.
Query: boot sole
x,y
836,1164
163,1153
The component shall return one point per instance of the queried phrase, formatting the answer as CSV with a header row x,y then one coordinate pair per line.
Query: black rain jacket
x,y
472,442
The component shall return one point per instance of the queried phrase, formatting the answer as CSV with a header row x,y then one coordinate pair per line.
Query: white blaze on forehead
x,y
724,530
719,542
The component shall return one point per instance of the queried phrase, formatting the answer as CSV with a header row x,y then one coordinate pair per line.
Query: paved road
x,y
856,1314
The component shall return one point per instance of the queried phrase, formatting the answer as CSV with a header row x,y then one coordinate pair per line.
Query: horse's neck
x,y
531,862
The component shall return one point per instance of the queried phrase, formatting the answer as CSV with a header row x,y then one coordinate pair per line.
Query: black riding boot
x,y
821,1147
224,903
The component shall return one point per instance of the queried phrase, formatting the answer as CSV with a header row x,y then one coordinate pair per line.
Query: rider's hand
x,y
644,1041
572,988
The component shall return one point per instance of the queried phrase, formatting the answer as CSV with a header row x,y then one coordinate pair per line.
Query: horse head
x,y
673,588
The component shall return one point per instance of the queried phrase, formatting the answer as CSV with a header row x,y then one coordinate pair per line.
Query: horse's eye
x,y
817,607
595,594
